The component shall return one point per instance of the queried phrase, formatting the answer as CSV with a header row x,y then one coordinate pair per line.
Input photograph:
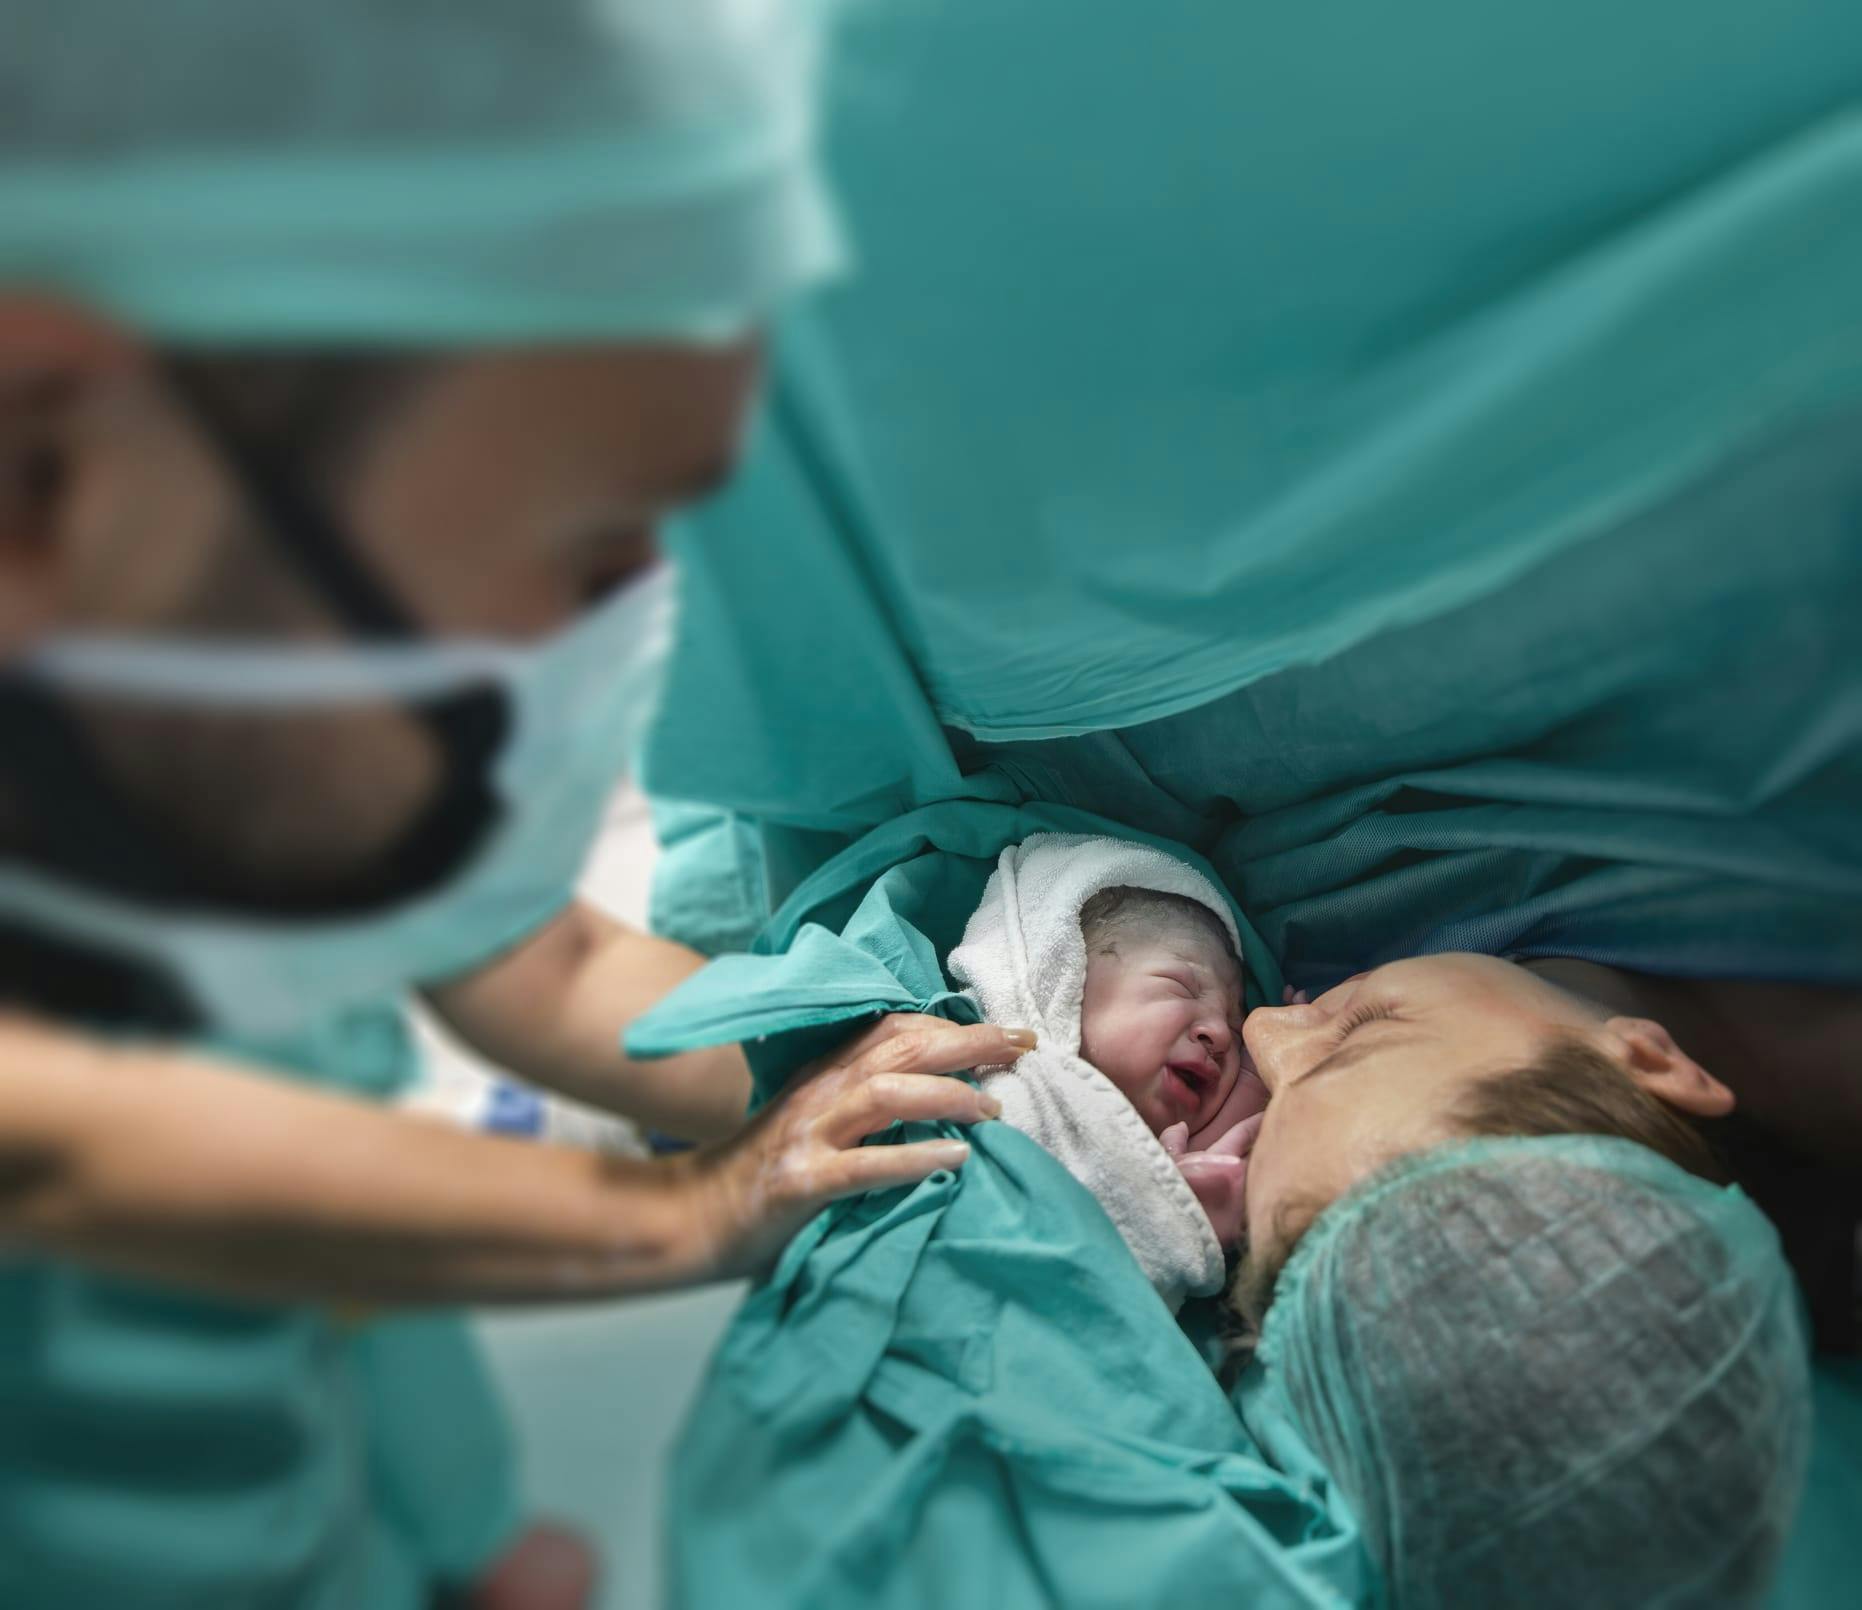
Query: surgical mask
x,y
532,740
575,711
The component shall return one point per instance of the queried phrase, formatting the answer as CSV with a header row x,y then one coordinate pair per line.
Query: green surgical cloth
x,y
966,1392
1113,478
473,173
1646,752
1196,342
1550,1371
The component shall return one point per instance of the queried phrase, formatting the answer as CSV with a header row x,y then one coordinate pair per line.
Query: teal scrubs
x,y
163,1450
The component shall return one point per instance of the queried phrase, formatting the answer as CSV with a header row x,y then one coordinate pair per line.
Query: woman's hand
x,y
803,1151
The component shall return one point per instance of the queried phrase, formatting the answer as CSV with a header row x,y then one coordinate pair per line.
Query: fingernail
x,y
955,1154
991,1108
1027,1039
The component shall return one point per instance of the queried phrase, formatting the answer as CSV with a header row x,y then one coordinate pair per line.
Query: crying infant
x,y
1127,962
1160,1015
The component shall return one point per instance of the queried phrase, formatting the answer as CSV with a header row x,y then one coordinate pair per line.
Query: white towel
x,y
1023,961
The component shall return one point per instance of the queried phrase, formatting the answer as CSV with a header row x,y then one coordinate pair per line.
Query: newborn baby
x,y
1126,961
1160,1017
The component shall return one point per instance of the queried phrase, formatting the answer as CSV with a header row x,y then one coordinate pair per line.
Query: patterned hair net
x,y
1555,1371
413,171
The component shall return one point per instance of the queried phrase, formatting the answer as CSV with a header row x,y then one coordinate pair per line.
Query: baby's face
x,y
1162,1020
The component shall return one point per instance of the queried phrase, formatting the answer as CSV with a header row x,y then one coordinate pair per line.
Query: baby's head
x,y
1161,1017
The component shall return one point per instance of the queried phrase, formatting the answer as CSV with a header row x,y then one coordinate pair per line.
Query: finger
x,y
1216,1181
889,1098
873,1035
1239,1141
937,1046
876,1168
1176,1139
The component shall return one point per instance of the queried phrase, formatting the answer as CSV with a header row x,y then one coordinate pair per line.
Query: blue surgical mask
x,y
576,710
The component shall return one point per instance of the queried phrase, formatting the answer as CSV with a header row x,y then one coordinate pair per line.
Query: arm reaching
x,y
553,1010
211,1176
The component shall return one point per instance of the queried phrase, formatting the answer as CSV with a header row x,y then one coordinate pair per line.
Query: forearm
x,y
178,1168
554,1009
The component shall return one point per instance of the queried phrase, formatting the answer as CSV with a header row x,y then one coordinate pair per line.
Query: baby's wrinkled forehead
x,y
1197,951
1158,937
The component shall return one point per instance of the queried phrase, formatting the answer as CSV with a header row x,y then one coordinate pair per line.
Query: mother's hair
x,y
1569,1088
1573,1088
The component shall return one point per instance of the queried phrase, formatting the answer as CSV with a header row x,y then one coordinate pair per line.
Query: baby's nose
x,y
1215,1037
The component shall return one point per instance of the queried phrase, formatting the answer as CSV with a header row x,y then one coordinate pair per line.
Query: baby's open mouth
x,y
1194,1079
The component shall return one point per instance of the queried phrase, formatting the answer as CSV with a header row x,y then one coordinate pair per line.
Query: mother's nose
x,y
1275,1035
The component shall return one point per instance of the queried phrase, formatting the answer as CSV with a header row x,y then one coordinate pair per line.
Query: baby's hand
x,y
1218,1175
1294,997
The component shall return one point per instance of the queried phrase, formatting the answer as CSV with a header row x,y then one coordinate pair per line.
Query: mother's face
x,y
1376,1067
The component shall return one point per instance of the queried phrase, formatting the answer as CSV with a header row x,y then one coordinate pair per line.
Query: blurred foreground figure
x,y
350,358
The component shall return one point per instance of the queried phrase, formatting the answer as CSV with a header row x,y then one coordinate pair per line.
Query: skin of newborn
x,y
1161,1018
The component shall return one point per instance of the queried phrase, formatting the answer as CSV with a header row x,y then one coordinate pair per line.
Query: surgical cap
x,y
1550,1371
413,171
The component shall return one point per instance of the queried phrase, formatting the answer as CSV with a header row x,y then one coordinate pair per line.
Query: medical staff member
x,y
350,358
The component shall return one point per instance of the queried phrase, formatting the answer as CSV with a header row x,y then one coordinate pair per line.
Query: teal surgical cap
x,y
1553,1371
413,171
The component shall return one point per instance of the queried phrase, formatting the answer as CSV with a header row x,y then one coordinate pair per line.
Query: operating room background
x,y
596,1394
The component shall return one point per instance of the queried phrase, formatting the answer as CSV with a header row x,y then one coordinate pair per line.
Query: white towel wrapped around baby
x,y
1023,960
